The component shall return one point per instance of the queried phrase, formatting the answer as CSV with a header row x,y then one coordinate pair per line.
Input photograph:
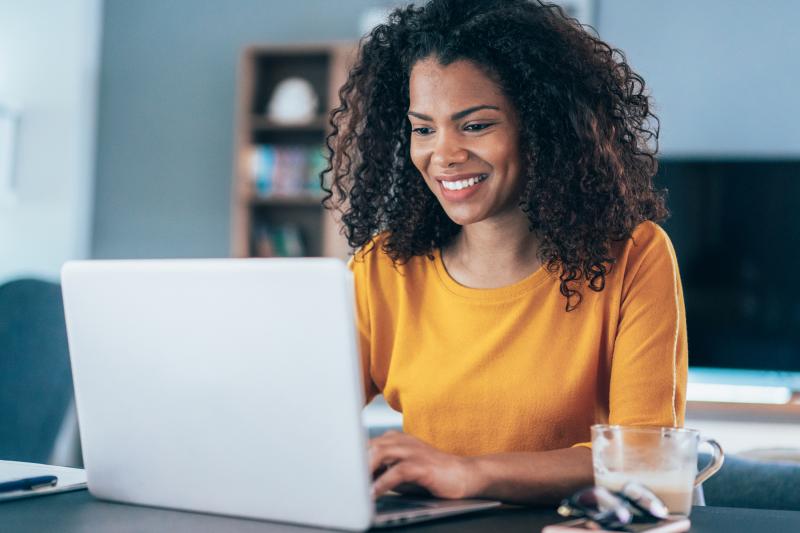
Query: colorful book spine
x,y
286,170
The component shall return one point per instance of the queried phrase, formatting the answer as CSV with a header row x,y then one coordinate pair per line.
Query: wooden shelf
x,y
257,219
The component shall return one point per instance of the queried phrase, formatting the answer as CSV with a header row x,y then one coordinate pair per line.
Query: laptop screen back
x,y
225,386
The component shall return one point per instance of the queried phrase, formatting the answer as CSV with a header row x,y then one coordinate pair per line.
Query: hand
x,y
401,459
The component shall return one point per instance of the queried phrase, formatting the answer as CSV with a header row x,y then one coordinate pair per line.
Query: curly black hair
x,y
588,136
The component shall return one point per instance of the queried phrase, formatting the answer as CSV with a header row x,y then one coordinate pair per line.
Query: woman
x,y
493,164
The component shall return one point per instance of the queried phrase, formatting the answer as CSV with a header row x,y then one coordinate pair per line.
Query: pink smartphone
x,y
676,524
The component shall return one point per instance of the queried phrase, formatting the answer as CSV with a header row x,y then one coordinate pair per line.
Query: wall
x,y
724,74
52,81
167,101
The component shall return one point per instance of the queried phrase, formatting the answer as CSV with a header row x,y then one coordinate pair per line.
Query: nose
x,y
448,151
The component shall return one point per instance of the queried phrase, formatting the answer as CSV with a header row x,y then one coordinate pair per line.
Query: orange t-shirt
x,y
478,371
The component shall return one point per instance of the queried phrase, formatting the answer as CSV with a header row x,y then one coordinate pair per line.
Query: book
x,y
286,170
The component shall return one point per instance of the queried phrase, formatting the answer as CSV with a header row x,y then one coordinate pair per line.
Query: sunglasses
x,y
615,510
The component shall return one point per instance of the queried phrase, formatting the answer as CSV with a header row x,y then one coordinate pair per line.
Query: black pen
x,y
28,483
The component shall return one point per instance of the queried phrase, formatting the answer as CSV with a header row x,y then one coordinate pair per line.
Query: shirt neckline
x,y
495,294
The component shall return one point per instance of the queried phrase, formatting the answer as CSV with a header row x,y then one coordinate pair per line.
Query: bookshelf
x,y
276,197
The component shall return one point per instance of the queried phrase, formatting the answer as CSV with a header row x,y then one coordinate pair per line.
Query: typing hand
x,y
406,464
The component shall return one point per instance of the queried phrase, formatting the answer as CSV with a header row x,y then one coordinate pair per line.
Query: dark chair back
x,y
755,484
35,376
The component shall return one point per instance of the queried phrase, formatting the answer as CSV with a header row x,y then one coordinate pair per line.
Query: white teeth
x,y
463,184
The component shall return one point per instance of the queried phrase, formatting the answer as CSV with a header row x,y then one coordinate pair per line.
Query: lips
x,y
460,186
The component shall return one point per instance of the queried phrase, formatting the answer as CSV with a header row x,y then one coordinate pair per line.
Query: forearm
x,y
542,478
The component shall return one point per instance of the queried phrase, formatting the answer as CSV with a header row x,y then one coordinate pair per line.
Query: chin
x,y
462,217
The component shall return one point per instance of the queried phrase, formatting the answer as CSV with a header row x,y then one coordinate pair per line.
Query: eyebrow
x,y
456,116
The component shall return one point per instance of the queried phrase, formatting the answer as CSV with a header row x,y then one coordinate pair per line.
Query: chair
x,y
755,484
36,398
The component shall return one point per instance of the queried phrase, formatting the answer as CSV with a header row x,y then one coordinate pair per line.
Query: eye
x,y
478,126
422,131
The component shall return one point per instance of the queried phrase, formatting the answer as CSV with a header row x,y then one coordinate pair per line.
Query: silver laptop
x,y
228,386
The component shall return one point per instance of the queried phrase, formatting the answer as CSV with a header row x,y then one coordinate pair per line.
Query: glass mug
x,y
664,459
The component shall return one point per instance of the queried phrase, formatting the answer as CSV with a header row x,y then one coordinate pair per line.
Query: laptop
x,y
228,386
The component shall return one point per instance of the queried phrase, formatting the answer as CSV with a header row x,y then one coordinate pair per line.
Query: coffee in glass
x,y
664,459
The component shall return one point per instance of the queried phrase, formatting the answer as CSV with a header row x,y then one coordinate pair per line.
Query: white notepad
x,y
68,478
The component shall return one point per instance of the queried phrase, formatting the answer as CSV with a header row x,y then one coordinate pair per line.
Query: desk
x,y
78,512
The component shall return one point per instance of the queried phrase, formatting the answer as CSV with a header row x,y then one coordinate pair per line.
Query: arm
x,y
533,477
650,361
522,477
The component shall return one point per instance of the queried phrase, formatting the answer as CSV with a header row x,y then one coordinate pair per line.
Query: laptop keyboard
x,y
391,504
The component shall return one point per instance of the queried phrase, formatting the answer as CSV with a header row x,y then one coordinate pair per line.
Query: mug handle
x,y
717,458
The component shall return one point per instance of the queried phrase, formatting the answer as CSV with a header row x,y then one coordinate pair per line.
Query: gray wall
x,y
166,114
724,74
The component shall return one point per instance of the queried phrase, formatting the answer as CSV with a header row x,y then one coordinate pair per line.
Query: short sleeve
x,y
358,267
650,360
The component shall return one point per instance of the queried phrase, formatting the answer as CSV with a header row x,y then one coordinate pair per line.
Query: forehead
x,y
448,88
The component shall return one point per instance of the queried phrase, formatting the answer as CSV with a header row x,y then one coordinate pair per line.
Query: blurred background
x,y
192,128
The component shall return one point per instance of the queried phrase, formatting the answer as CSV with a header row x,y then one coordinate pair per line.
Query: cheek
x,y
500,149
419,158
512,156
507,155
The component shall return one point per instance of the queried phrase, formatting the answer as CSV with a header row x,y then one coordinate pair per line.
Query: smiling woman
x,y
464,132
492,162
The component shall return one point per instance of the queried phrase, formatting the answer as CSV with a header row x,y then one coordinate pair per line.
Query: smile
x,y
463,184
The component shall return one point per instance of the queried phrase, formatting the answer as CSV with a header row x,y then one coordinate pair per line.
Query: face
x,y
465,141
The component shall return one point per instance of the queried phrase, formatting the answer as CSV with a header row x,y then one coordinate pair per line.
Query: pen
x,y
28,483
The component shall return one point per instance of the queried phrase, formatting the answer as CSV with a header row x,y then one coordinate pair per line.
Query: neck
x,y
493,253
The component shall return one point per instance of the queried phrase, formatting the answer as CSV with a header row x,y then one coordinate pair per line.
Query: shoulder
x,y
647,251
372,264
648,238
370,256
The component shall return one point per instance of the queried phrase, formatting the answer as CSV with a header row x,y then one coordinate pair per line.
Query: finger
x,y
386,454
392,439
404,472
